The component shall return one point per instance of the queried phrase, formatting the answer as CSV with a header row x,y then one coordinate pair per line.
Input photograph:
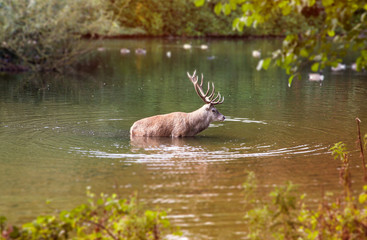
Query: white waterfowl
x,y
204,46
187,46
354,66
338,68
256,54
124,51
140,51
316,77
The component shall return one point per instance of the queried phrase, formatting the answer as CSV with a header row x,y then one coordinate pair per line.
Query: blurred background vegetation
x,y
40,35
183,18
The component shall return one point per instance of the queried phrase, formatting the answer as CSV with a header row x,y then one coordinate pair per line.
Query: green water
x,y
62,133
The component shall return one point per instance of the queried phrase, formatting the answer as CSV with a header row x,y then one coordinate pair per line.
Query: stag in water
x,y
180,124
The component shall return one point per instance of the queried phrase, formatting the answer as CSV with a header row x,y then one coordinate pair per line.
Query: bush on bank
x,y
39,35
106,217
284,214
184,18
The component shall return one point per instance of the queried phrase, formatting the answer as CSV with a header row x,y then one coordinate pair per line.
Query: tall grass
x,y
103,217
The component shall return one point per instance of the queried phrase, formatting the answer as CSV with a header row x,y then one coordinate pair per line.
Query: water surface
x,y
62,133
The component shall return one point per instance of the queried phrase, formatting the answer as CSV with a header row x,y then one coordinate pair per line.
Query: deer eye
x,y
213,110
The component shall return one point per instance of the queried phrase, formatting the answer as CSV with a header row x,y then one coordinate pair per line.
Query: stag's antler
x,y
199,90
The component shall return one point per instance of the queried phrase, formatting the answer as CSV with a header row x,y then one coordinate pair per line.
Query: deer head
x,y
209,99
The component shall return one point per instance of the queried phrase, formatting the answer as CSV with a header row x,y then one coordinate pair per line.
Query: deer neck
x,y
199,120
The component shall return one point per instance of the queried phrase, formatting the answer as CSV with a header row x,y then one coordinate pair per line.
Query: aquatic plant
x,y
106,217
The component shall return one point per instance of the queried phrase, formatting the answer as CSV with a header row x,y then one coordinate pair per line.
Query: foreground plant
x,y
106,217
285,215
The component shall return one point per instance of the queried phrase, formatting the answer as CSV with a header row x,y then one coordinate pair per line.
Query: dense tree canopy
x,y
170,18
327,30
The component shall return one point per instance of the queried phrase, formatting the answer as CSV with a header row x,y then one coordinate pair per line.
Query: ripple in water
x,y
151,149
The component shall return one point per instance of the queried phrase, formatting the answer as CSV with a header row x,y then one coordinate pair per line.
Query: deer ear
x,y
208,107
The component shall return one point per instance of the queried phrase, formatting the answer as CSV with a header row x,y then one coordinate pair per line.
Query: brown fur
x,y
177,124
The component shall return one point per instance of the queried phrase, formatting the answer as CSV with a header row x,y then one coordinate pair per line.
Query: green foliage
x,y
274,217
2,223
339,151
285,215
106,217
171,18
317,31
39,35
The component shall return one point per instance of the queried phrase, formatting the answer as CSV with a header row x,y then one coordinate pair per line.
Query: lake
x,y
60,134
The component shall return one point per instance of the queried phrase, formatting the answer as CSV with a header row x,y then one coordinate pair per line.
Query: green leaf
x,y
331,33
311,3
289,38
364,54
233,4
100,201
199,3
327,3
248,21
227,9
246,7
238,24
286,10
285,7
303,52
235,23
283,4
288,59
218,8
362,198
266,63
290,79
315,67
2,220
288,69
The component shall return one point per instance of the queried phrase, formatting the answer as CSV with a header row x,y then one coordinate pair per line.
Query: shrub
x,y
171,18
41,35
285,215
107,217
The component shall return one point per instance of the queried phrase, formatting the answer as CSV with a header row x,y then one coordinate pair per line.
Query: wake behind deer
x,y
180,124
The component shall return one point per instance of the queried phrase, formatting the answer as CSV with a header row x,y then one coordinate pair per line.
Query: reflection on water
x,y
62,133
